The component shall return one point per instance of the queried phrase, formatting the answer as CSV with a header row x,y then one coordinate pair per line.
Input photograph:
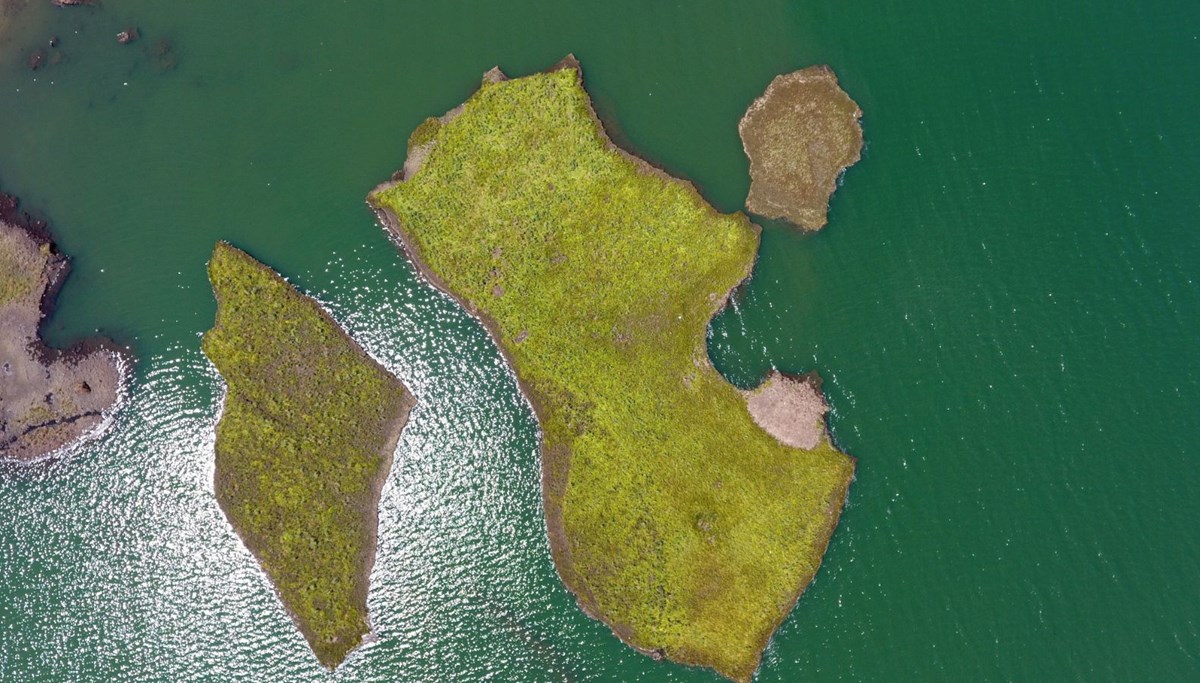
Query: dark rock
x,y
128,36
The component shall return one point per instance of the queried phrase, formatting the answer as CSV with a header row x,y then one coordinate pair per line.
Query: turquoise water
x,y
1005,306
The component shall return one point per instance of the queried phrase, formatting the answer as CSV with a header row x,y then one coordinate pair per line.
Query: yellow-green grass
x,y
303,446
20,267
672,516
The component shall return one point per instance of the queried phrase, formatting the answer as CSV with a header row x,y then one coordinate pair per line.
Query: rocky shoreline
x,y
50,398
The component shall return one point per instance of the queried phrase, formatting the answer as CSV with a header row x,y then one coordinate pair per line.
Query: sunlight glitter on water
x,y
1024,474
156,568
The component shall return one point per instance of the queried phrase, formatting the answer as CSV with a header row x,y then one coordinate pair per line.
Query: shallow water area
x,y
1004,308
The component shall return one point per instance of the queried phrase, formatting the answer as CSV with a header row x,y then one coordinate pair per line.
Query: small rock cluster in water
x,y
161,53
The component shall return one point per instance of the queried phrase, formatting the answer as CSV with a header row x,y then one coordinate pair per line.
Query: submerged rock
x,y
799,135
162,53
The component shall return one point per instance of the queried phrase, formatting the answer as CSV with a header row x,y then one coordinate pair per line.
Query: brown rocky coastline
x,y
50,398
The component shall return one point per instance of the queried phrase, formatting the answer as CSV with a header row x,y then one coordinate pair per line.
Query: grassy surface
x,y
14,282
671,514
303,444
20,265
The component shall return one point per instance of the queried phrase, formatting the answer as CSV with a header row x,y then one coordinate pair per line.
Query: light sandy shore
x,y
791,409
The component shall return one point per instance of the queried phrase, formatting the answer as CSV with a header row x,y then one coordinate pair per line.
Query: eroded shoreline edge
x,y
555,462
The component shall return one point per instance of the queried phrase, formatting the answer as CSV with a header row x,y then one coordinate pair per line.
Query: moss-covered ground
x,y
799,136
20,268
673,517
303,445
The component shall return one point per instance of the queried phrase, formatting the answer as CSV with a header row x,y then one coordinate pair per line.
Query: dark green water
x,y
1005,306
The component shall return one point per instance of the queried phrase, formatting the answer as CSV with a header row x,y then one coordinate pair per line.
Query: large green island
x,y
676,516
303,447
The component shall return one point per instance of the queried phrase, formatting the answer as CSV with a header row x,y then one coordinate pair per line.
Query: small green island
x,y
800,135
303,446
677,511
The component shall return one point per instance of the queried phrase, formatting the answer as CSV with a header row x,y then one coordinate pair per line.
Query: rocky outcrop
x,y
49,398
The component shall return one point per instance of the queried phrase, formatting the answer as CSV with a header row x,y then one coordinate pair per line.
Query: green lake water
x,y
1005,307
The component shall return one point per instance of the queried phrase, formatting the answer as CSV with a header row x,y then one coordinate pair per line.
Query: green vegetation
x,y
303,446
673,517
424,132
